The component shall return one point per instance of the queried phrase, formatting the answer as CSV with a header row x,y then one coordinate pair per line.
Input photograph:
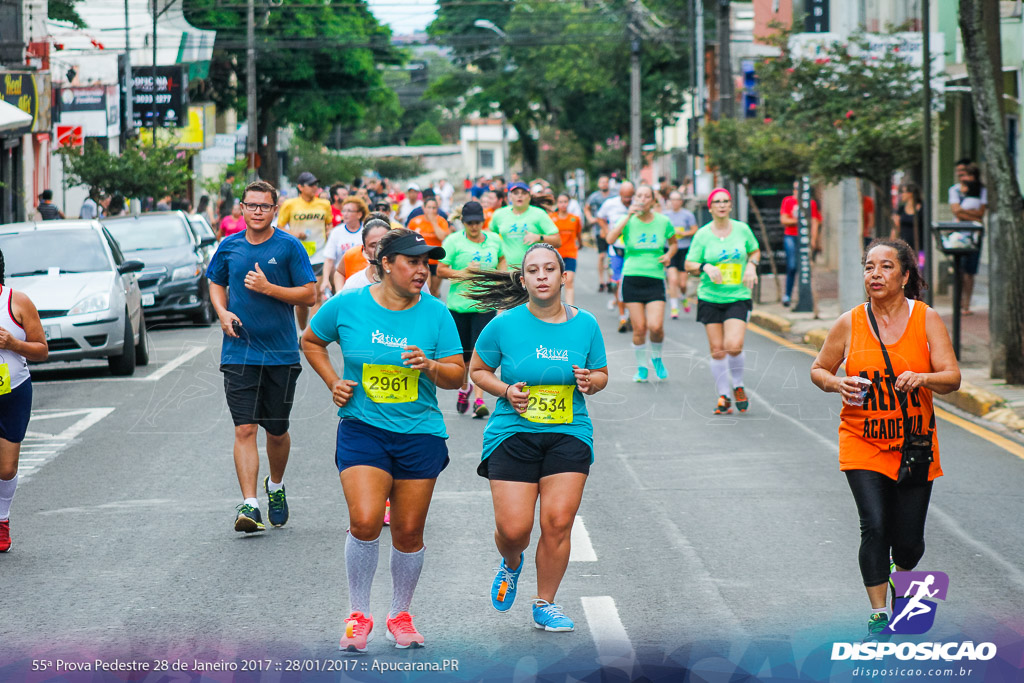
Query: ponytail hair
x,y
908,264
501,290
1,267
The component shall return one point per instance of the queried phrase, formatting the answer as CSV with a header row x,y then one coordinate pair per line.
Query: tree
x,y
854,105
137,171
64,10
316,63
980,27
563,64
754,152
425,134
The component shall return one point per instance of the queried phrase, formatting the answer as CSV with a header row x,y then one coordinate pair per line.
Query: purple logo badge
x,y
913,609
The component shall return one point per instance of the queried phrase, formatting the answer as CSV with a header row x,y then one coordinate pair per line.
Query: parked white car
x,y
86,292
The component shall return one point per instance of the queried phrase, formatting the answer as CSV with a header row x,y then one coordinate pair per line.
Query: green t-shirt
x,y
730,255
461,253
513,227
645,244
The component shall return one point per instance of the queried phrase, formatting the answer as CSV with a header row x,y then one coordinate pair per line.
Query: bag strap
x,y
888,366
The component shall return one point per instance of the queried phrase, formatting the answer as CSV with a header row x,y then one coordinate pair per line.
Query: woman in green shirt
x,y
725,255
478,249
645,235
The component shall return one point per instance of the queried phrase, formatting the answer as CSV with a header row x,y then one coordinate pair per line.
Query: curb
x,y
977,402
816,337
770,321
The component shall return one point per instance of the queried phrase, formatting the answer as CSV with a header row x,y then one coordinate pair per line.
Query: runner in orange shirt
x,y
569,227
434,229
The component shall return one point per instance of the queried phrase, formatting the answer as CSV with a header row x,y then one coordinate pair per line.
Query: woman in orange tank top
x,y
871,429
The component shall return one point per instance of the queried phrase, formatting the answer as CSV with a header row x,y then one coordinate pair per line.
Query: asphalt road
x,y
703,543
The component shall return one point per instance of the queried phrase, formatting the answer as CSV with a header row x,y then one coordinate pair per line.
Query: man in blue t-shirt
x,y
257,277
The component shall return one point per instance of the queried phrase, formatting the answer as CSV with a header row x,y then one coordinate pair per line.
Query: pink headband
x,y
716,191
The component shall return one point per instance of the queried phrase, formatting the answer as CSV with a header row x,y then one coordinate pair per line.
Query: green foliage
x,y
560,152
757,151
317,63
137,172
64,10
425,134
860,112
239,167
564,64
329,167
398,168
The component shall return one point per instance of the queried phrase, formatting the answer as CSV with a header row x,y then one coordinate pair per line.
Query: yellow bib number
x,y
550,404
310,247
391,383
5,379
732,273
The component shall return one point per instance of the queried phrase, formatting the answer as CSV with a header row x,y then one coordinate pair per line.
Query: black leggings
x,y
891,518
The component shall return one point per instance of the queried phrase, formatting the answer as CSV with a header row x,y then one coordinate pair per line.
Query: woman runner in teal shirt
x,y
539,441
398,347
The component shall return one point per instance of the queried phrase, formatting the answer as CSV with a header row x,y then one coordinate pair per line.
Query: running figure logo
x,y
913,611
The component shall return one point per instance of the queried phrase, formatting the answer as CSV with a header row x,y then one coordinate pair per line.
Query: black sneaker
x,y
277,505
249,519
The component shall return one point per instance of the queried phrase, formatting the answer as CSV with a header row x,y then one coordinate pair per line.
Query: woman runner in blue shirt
x,y
539,442
398,347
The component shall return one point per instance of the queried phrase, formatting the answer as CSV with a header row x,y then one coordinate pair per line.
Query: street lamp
x,y
490,26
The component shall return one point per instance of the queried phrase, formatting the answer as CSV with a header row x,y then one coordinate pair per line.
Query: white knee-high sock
x,y
360,565
656,349
7,487
640,351
720,372
736,368
405,574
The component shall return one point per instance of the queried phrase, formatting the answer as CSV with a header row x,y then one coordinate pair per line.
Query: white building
x,y
485,144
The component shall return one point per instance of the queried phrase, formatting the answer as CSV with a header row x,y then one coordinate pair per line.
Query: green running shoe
x,y
877,628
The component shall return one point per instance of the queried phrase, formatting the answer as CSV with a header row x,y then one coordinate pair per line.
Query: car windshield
x,y
145,234
35,252
200,228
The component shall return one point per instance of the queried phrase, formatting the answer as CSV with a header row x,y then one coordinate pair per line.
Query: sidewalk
x,y
979,395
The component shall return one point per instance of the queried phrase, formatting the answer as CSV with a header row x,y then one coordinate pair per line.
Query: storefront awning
x,y
12,118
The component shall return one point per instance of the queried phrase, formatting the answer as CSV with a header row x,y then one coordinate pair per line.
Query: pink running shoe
x,y
402,633
358,632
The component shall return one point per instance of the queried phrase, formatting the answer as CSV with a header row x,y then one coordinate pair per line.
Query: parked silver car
x,y
86,292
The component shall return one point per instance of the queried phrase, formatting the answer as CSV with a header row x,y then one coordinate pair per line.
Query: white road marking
x,y
581,548
50,445
614,649
174,364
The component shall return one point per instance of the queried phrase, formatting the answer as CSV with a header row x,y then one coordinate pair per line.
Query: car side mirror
x,y
130,267
207,241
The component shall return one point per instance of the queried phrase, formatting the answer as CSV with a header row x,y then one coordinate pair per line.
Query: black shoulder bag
x,y
916,452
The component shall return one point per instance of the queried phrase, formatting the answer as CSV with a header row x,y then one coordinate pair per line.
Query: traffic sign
x,y
70,136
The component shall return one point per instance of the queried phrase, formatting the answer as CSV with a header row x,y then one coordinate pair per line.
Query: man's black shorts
x,y
261,394
529,457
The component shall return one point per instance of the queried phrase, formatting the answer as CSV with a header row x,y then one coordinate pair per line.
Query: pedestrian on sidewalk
x,y
539,443
398,347
725,255
257,278
897,353
972,201
47,210
646,235
608,216
788,215
906,222
21,340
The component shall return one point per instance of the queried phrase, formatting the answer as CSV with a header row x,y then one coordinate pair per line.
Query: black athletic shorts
x,y
470,325
711,313
602,245
531,456
639,289
261,394
433,268
679,260
318,269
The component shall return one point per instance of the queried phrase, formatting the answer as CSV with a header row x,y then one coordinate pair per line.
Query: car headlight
x,y
185,272
91,304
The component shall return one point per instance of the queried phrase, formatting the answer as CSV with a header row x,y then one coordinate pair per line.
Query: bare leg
x,y
247,459
560,496
514,504
278,449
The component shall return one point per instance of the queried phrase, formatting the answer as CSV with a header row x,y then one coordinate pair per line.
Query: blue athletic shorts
x,y
403,456
570,265
616,262
15,409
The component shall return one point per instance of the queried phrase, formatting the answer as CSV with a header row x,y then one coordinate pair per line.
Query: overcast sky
x,y
404,16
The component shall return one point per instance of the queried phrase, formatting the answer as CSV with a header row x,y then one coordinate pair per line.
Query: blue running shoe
x,y
277,508
249,519
550,617
503,590
641,374
659,368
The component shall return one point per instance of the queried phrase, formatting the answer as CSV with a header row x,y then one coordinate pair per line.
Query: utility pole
x,y
152,104
698,100
634,92
250,89
726,98
926,156
129,109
